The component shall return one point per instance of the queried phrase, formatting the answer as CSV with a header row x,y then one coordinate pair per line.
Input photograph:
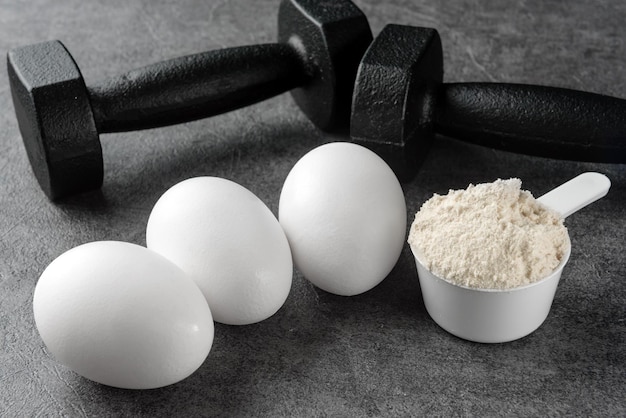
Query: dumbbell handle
x,y
535,120
196,86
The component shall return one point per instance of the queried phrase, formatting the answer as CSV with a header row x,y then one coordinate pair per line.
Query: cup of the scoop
x,y
488,315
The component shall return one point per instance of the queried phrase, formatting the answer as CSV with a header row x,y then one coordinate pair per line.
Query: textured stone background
x,y
322,355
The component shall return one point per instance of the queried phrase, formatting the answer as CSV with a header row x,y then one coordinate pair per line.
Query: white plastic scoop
x,y
494,315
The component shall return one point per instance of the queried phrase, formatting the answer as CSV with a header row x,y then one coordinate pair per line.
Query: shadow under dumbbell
x,y
257,155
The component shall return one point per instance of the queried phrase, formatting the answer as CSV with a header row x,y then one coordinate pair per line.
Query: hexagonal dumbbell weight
x,y
319,48
400,103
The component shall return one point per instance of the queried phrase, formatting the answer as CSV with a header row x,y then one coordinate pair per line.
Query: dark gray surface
x,y
322,355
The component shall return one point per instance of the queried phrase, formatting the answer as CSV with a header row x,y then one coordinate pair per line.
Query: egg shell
x,y
229,242
344,214
122,315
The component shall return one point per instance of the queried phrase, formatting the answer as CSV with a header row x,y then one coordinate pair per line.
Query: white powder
x,y
489,236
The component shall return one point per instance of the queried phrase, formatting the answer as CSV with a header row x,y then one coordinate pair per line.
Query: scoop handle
x,y
576,193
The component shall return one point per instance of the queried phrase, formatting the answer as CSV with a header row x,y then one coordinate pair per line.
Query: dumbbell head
x,y
393,107
55,119
331,37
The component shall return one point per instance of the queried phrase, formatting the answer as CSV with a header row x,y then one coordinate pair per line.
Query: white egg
x,y
122,315
344,214
229,242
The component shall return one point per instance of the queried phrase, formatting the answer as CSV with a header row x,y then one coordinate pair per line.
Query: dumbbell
x,y
400,103
319,48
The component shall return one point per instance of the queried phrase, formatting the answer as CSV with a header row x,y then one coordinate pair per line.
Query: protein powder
x,y
489,236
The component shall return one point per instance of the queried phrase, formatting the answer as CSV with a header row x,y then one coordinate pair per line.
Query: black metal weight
x,y
400,103
319,48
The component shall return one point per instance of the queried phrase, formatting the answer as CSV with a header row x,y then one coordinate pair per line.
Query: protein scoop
x,y
502,310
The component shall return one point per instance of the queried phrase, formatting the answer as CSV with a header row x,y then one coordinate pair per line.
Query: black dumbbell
x,y
319,47
400,103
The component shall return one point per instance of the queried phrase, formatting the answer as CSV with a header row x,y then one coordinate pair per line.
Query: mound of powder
x,y
489,236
